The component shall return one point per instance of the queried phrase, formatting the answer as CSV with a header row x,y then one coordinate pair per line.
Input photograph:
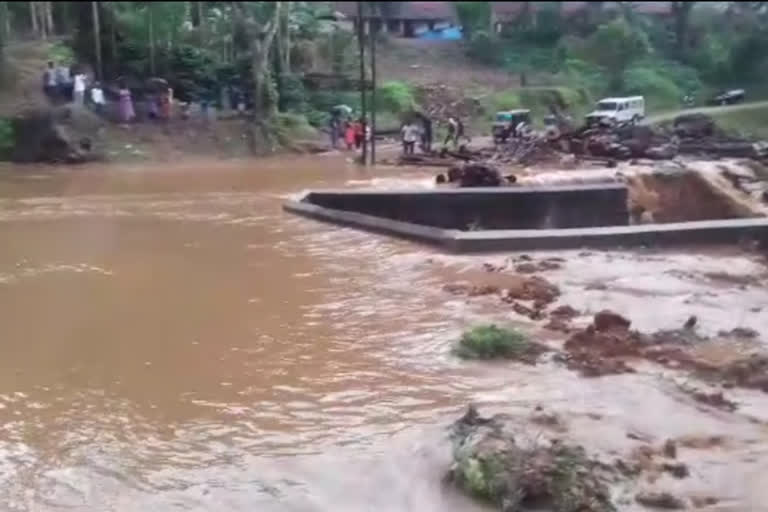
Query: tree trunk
x,y
151,25
33,17
113,32
264,94
4,35
49,17
7,22
97,38
285,33
201,17
361,45
41,25
682,13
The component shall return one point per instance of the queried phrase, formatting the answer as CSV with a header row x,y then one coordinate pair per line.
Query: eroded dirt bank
x,y
173,340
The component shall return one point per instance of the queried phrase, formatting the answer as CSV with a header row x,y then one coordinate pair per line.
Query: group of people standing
x,y
353,131
62,86
419,128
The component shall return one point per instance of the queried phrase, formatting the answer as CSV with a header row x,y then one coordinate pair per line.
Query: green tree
x,y
473,16
681,12
614,47
260,21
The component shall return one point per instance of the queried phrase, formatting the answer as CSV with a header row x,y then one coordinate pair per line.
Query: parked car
x,y
728,97
618,110
506,123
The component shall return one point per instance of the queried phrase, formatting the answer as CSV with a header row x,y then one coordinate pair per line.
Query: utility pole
x,y
151,29
97,38
361,44
373,95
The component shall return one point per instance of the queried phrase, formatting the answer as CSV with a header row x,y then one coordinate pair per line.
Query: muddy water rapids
x,y
171,340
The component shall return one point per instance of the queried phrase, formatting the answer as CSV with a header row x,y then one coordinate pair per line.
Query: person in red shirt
x,y
349,135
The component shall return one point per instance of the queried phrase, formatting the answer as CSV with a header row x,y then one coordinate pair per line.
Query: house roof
x,y
405,10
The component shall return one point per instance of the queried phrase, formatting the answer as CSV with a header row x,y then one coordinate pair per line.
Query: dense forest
x,y
268,49
693,48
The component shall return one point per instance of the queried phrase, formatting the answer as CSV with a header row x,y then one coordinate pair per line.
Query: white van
x,y
618,110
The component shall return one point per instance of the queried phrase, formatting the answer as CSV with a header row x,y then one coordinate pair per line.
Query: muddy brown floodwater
x,y
171,340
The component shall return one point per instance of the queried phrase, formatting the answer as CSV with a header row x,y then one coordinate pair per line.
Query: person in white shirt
x,y
79,89
97,98
410,134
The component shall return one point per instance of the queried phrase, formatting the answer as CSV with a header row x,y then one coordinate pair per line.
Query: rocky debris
x,y
605,346
713,399
477,175
704,501
676,469
660,500
529,267
564,312
607,320
470,290
694,126
534,288
65,134
750,372
558,325
670,449
493,464
744,333
522,310
690,134
550,420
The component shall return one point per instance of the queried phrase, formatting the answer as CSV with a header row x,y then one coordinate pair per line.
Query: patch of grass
x,y
490,341
752,122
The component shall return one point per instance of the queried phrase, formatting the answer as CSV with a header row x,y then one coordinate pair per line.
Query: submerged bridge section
x,y
500,219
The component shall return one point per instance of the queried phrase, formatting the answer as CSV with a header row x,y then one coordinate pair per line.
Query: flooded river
x,y
171,340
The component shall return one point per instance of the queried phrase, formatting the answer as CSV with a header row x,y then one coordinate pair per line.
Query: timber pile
x,y
691,135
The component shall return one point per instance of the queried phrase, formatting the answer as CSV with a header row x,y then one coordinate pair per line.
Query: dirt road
x,y
657,118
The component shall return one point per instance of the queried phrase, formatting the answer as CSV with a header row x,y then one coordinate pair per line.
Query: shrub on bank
x,y
7,138
490,342
395,97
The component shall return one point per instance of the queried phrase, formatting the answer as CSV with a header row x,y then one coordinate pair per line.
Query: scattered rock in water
x,y
490,267
660,500
744,333
492,342
522,310
750,372
564,312
470,290
676,469
533,288
669,449
725,277
529,267
598,349
704,501
558,325
548,419
701,442
608,320
494,465
526,268
713,399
